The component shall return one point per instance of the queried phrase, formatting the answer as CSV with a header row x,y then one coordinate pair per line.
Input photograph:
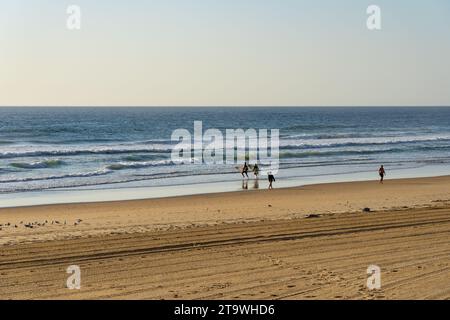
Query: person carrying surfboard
x,y
245,169
256,170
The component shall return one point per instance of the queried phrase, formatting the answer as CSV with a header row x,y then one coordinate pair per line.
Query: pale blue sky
x,y
224,52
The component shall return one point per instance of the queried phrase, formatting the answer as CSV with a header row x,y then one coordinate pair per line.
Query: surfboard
x,y
241,168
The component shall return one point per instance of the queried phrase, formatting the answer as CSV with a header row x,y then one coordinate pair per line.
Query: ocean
x,y
50,153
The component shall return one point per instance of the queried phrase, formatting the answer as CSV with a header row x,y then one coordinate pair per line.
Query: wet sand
x,y
300,243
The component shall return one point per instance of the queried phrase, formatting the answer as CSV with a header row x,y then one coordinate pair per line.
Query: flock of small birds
x,y
36,224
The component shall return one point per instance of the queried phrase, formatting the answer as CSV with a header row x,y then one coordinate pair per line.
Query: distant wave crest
x,y
343,142
38,164
57,177
138,165
43,151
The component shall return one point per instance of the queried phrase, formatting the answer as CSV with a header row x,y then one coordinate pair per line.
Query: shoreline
x,y
132,191
221,193
61,221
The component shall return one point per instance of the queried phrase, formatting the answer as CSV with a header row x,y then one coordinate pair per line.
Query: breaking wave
x,y
37,164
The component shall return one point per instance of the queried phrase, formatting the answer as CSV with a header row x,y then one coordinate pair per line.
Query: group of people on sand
x,y
255,170
245,169
271,178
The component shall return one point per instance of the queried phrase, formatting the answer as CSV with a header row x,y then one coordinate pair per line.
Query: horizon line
x,y
231,106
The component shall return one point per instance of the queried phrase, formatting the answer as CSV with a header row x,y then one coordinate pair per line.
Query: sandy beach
x,y
139,142
307,242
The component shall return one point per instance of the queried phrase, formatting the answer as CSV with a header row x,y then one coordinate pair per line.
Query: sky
x,y
224,53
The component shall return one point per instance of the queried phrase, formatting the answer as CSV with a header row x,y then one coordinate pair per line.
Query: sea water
x,y
57,155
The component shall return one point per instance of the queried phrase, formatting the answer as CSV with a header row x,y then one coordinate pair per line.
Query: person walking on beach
x,y
271,180
245,170
256,170
382,173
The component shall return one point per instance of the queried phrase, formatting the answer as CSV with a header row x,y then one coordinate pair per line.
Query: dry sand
x,y
244,245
